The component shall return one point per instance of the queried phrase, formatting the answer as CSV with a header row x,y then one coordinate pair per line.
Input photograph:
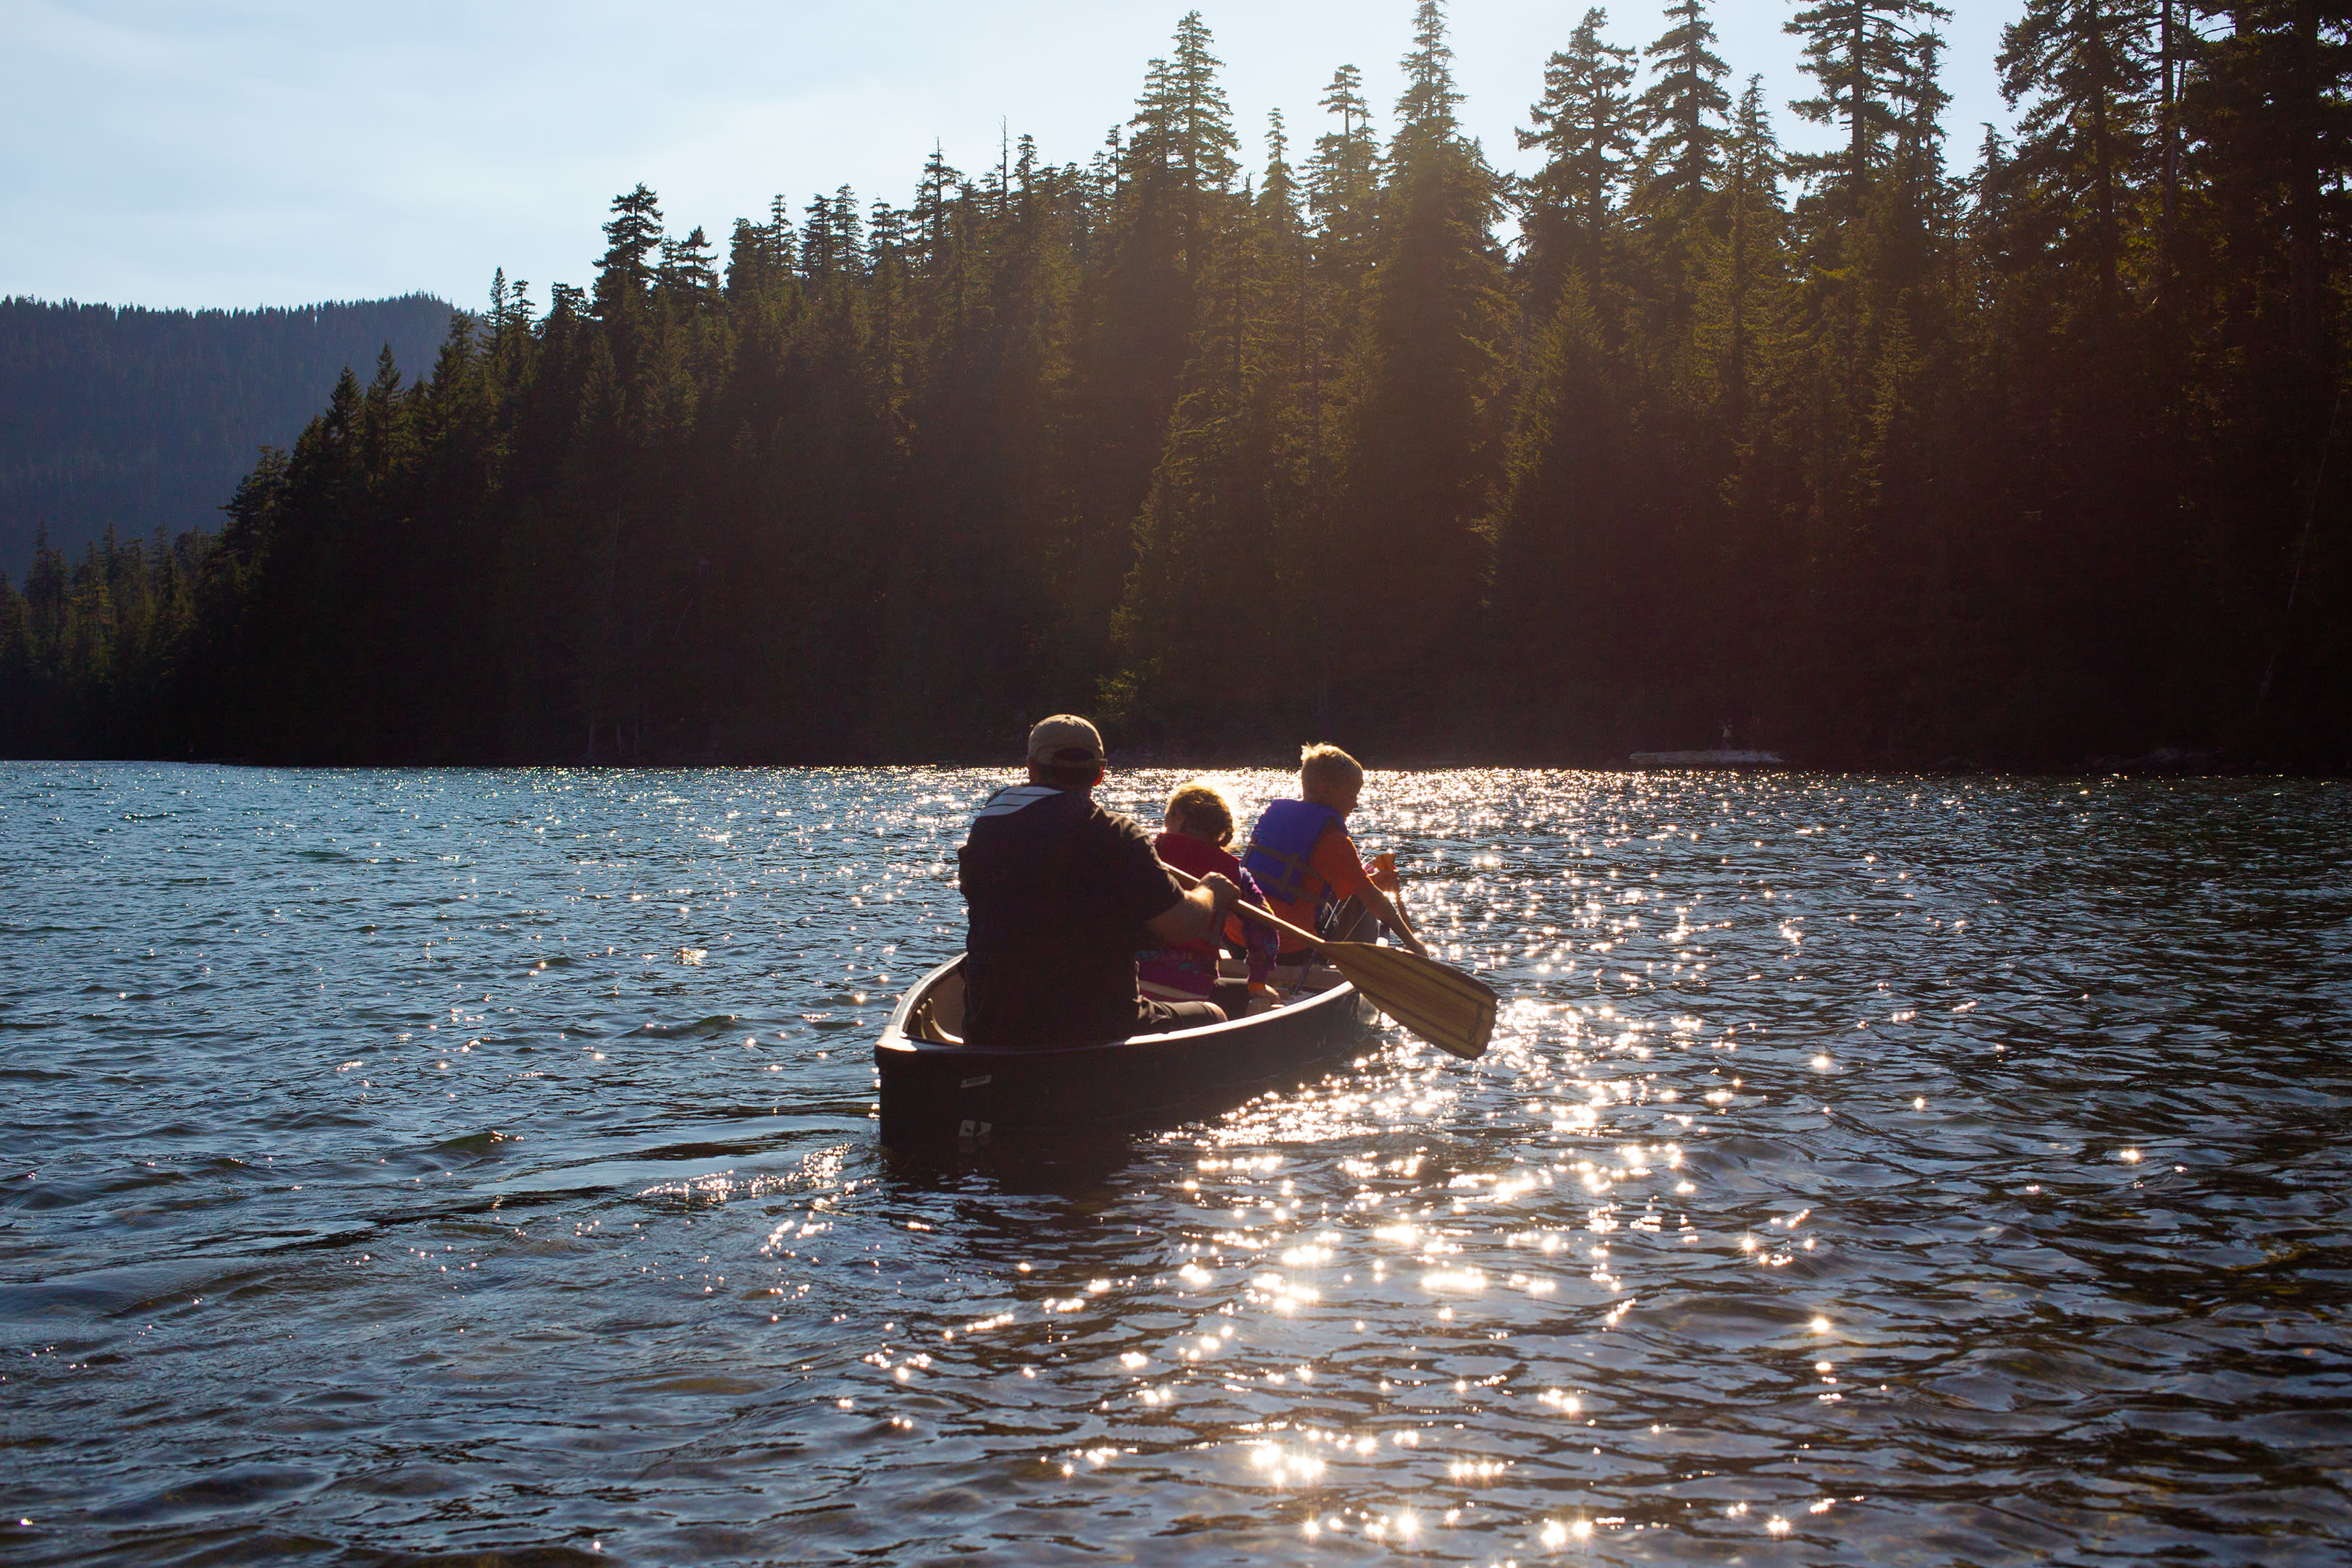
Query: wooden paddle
x,y
1451,1010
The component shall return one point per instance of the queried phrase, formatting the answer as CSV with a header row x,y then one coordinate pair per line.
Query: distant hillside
x,y
145,417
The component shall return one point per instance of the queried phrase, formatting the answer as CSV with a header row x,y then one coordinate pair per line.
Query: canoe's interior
x,y
937,1014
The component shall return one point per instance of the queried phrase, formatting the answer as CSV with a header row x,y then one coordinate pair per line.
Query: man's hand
x,y
1198,913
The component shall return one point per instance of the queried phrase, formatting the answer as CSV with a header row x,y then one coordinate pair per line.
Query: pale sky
x,y
240,152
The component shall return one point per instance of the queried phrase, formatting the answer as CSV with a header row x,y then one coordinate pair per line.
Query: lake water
x,y
409,1166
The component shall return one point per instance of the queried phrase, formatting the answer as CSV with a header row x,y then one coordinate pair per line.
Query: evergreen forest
x,y
146,419
2018,452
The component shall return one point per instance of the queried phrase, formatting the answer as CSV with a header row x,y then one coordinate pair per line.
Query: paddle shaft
x,y
1254,910
1259,912
1453,1010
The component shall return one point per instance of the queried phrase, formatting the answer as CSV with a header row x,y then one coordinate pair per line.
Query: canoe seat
x,y
927,1028
939,1015
1306,978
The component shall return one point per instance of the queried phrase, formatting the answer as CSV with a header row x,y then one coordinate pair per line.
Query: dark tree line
x,y
145,418
1864,453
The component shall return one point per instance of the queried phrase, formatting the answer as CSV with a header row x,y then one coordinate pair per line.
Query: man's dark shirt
x,y
1059,892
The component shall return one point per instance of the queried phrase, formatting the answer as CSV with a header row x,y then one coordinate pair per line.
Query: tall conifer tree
x,y
1408,554
1590,131
1860,52
1683,107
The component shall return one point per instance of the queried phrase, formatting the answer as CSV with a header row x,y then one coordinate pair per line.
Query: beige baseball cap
x,y
1065,741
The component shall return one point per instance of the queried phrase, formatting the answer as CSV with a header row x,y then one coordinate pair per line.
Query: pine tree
x,y
1184,127
1408,551
1200,122
848,231
1683,107
1587,125
1860,52
1914,211
2273,103
20,733
1234,484
1564,529
748,272
625,279
381,428
934,204
1343,188
1747,262
688,272
820,249
1425,111
1344,176
632,238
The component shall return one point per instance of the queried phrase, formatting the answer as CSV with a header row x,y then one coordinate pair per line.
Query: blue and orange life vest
x,y
1281,852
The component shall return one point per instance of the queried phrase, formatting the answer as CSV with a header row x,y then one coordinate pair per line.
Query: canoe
x,y
936,1090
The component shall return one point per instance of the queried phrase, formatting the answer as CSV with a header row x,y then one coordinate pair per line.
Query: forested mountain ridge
x,y
1869,458
146,419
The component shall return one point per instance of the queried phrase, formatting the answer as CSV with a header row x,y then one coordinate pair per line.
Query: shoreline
x,y
2160,762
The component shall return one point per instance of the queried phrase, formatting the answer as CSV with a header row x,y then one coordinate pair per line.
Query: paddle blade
x,y
1451,1010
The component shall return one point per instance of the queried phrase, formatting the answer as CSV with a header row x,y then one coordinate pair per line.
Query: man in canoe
x,y
1301,855
1060,895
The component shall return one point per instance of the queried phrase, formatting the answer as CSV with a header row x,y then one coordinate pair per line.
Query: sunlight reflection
x,y
1298,1262
1467,1280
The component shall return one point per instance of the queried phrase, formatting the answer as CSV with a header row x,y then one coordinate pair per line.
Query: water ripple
x,y
415,1165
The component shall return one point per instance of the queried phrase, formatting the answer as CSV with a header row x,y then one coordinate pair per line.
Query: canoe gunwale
x,y
897,1034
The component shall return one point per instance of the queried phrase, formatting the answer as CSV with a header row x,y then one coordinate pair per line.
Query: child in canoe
x,y
1304,861
1197,825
